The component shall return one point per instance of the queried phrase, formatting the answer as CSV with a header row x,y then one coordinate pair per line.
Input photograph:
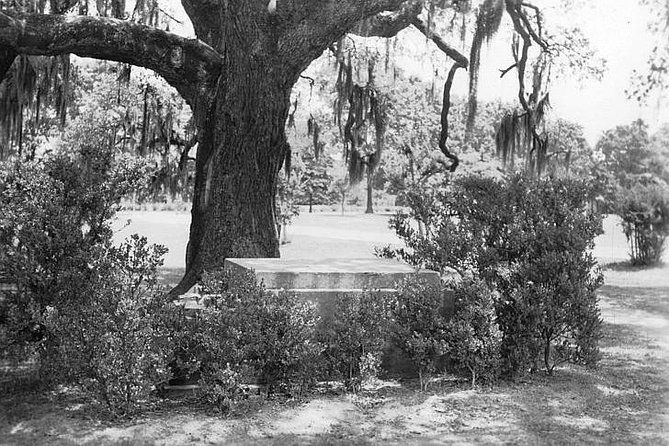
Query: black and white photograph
x,y
334,222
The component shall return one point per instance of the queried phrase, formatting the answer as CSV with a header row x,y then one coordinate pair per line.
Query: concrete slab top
x,y
329,274
348,266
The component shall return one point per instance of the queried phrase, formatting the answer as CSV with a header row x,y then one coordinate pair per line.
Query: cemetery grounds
x,y
625,400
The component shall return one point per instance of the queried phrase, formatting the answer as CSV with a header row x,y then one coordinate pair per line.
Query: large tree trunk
x,y
242,148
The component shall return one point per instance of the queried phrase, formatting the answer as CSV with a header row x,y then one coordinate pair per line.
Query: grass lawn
x,y
625,400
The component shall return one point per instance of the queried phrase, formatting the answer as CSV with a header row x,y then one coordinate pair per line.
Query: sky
x,y
618,31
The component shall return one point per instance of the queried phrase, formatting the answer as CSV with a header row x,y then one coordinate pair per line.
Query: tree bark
x,y
370,193
241,150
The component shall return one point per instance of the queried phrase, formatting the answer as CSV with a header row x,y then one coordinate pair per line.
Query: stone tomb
x,y
321,281
318,280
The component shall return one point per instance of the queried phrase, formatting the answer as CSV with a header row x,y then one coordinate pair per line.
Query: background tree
x,y
314,180
625,151
636,187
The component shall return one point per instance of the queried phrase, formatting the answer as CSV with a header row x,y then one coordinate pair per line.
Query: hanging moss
x,y
32,85
488,20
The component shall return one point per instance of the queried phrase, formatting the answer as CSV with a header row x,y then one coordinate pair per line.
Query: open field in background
x,y
333,235
624,401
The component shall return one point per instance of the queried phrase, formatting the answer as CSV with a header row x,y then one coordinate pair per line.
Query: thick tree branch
x,y
309,27
205,15
538,18
445,108
528,26
521,60
451,52
387,24
187,64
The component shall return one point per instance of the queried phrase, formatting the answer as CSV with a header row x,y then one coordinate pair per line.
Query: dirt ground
x,y
624,401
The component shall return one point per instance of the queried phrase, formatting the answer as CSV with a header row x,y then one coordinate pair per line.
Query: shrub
x,y
644,210
354,334
551,314
115,343
54,223
472,336
246,330
418,325
531,241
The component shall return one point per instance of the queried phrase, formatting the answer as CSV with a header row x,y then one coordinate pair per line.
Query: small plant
x,y
644,210
221,387
472,336
354,334
418,325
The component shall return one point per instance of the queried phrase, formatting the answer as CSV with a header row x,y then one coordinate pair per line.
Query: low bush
x,y
354,335
55,223
550,313
419,325
530,240
248,333
115,343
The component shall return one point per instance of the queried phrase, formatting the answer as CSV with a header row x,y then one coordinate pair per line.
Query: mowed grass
x,y
625,400
319,235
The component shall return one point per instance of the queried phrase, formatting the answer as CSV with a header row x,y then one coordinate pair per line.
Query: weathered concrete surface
x,y
330,275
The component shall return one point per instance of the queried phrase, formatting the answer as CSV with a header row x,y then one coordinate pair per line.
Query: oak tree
x,y
237,77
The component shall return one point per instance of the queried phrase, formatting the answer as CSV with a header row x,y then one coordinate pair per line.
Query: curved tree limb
x,y
506,70
309,27
521,60
538,17
451,52
389,24
460,62
446,106
187,64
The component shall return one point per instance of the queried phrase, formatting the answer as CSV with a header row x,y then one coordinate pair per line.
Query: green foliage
x,y
136,113
355,333
314,180
114,342
530,240
413,159
55,220
419,325
472,336
549,313
248,331
626,152
644,210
